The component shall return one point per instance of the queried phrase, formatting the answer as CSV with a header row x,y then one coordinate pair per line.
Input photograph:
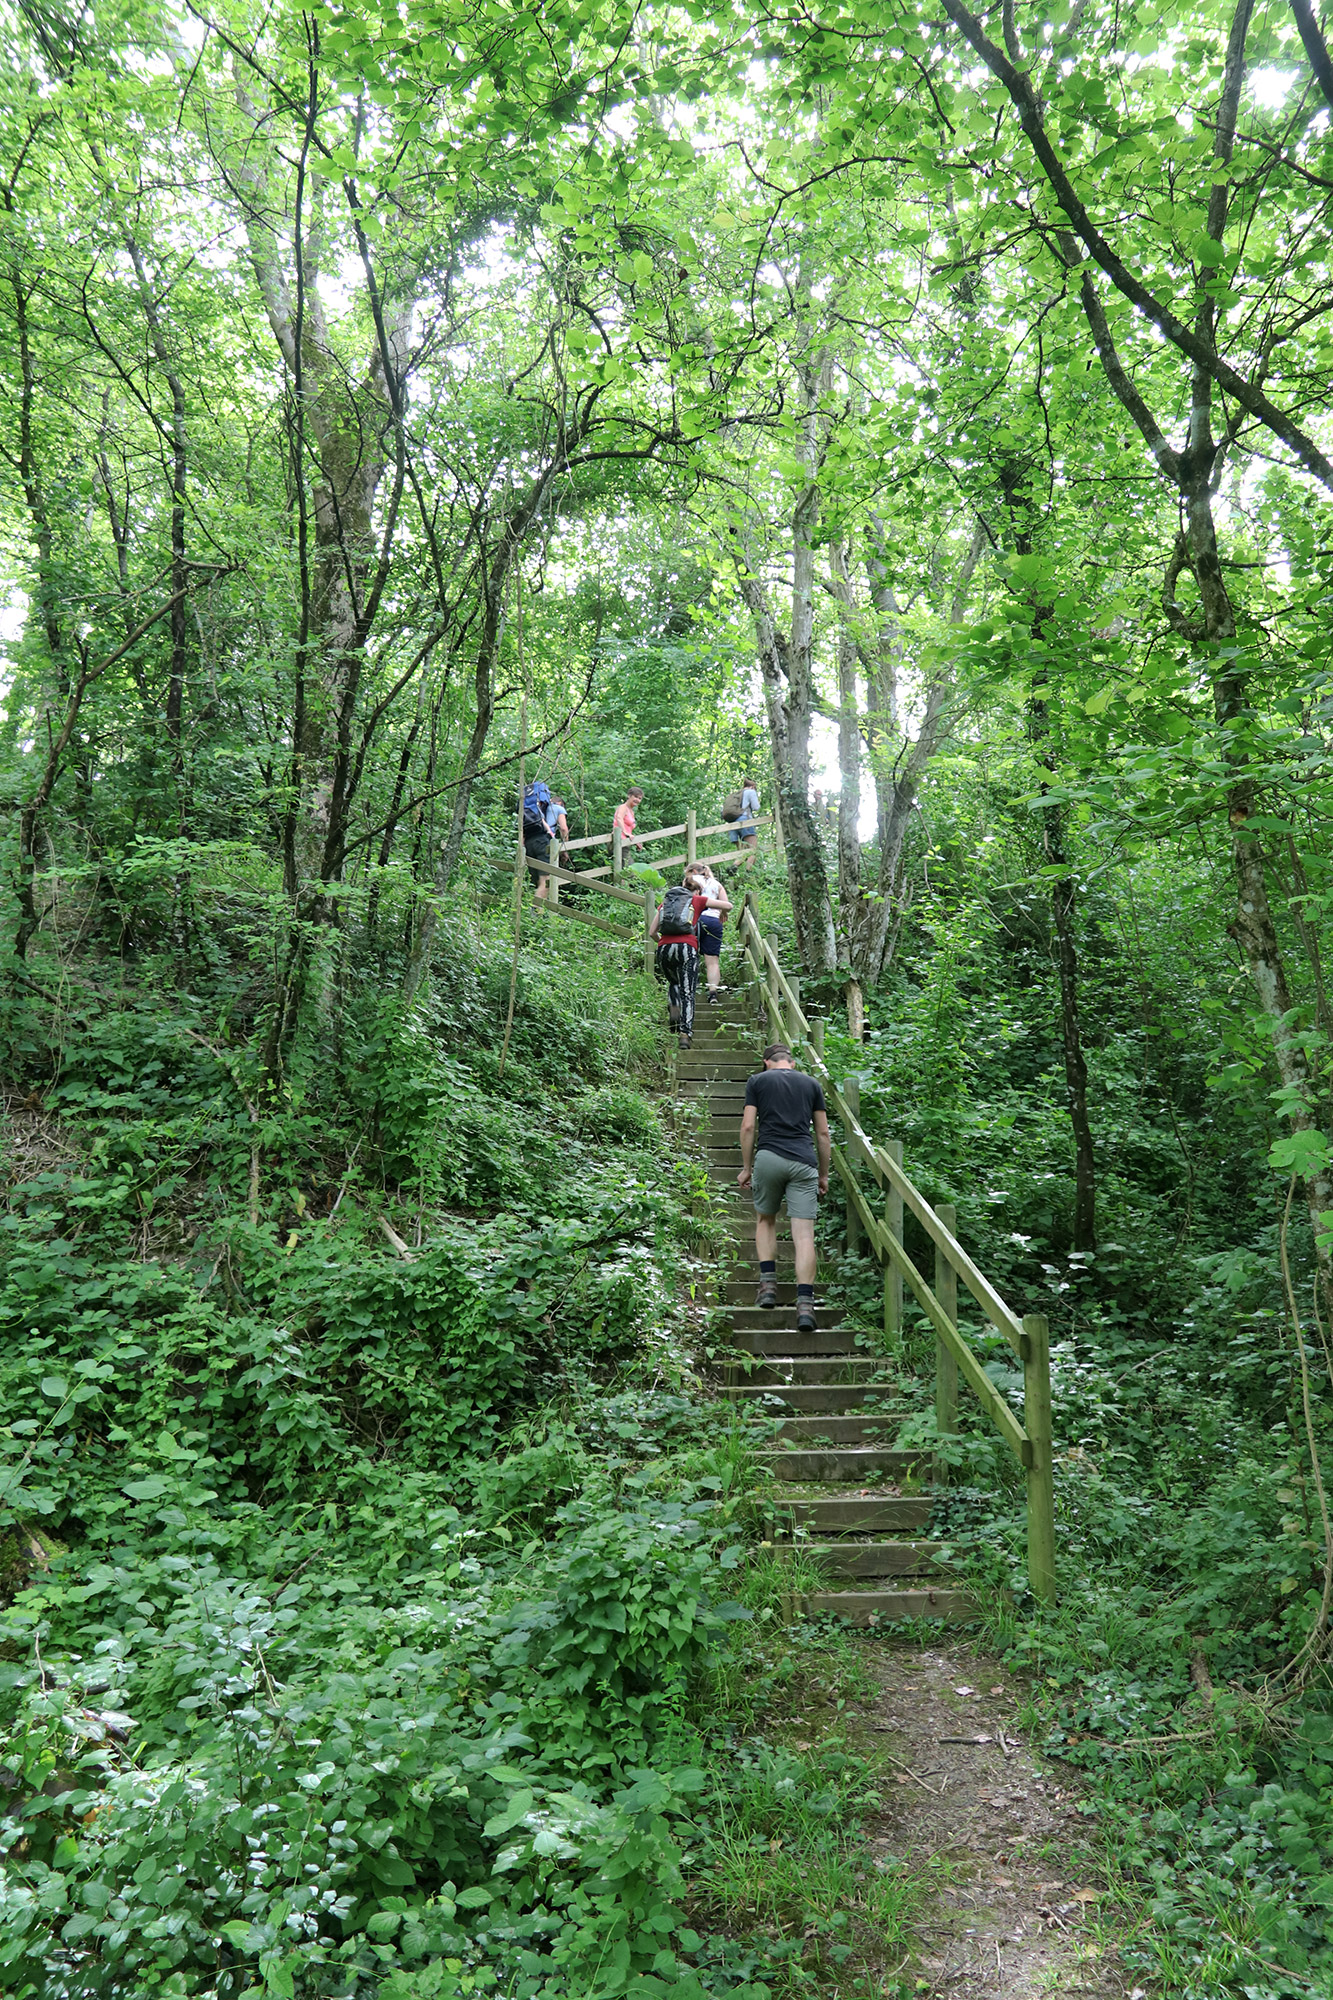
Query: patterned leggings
x,y
677,966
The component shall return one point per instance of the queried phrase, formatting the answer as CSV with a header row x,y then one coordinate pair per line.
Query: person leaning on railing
x,y
622,821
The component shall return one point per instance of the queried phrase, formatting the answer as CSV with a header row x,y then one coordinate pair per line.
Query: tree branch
x,y
1024,98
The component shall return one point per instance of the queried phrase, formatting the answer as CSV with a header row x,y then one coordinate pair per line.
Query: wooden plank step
x,y
885,1607
813,1465
832,1429
795,1345
739,1291
858,1515
866,1558
837,1397
773,1317
770,1371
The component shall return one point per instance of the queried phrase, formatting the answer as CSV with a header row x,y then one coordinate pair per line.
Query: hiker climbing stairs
x,y
838,1472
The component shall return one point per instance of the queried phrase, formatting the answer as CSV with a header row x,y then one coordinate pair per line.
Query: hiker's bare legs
x,y
803,1243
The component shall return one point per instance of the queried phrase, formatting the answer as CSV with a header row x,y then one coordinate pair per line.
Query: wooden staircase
x,y
837,1465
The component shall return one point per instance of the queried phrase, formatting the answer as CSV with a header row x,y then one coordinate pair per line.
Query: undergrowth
x,y
385,1614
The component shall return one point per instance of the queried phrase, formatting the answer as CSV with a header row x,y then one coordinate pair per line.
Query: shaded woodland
x,y
927,408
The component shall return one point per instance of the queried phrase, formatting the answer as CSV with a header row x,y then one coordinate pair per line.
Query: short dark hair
x,y
778,1052
635,792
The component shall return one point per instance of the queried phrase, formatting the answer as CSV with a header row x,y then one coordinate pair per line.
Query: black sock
x,y
805,1295
768,1268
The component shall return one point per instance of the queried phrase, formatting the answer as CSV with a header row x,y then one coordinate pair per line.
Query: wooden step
x,y
840,1398
762,1341
739,1291
811,1465
885,1607
833,1429
769,1371
857,1516
867,1558
772,1317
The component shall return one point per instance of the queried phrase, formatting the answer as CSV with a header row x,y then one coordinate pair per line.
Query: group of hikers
x,y
544,820
784,1134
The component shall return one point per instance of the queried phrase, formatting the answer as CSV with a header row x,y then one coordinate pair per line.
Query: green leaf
x,y
1300,1153
146,1489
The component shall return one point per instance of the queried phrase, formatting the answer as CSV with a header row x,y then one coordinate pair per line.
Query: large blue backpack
x,y
535,801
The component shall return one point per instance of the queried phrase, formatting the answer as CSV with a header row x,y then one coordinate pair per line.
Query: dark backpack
x,y
536,798
678,913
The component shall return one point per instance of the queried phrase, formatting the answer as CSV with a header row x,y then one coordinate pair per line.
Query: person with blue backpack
x,y
543,820
676,960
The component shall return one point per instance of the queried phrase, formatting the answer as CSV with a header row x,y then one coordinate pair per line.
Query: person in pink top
x,y
624,818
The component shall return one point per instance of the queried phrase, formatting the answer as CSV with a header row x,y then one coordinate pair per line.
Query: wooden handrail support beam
x,y
583,917
661,833
585,882
889,1174
969,1367
663,861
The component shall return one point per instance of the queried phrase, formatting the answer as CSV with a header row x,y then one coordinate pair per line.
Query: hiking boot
x,y
685,1041
767,1295
805,1319
713,996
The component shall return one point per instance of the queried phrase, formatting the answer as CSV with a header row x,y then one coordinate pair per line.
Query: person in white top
x,y
711,921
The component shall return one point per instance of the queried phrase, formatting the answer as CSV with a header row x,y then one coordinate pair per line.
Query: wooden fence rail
x,y
643,899
1030,1439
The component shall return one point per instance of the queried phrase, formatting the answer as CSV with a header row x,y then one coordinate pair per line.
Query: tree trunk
x,y
787,705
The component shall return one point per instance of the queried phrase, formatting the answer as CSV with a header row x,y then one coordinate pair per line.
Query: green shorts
x,y
774,1176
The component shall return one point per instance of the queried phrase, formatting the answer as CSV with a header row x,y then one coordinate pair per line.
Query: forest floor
x,y
1021,1906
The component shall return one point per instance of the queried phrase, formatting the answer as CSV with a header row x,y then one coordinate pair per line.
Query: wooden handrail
x,y
664,833
604,839
886,1170
585,881
1029,1441
887,1247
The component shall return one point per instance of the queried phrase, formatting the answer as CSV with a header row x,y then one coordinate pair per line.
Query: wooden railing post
x,y
691,838
893,1277
774,1003
793,1031
946,1365
1040,1474
649,913
817,1035
851,1091
617,853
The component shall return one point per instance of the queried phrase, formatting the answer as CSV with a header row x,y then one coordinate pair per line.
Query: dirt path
x,y
1016,1914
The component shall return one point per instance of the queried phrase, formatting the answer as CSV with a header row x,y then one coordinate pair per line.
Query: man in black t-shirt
x,y
785,1155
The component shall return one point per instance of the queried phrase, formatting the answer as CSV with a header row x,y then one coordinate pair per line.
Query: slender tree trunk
x,y
1064,896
